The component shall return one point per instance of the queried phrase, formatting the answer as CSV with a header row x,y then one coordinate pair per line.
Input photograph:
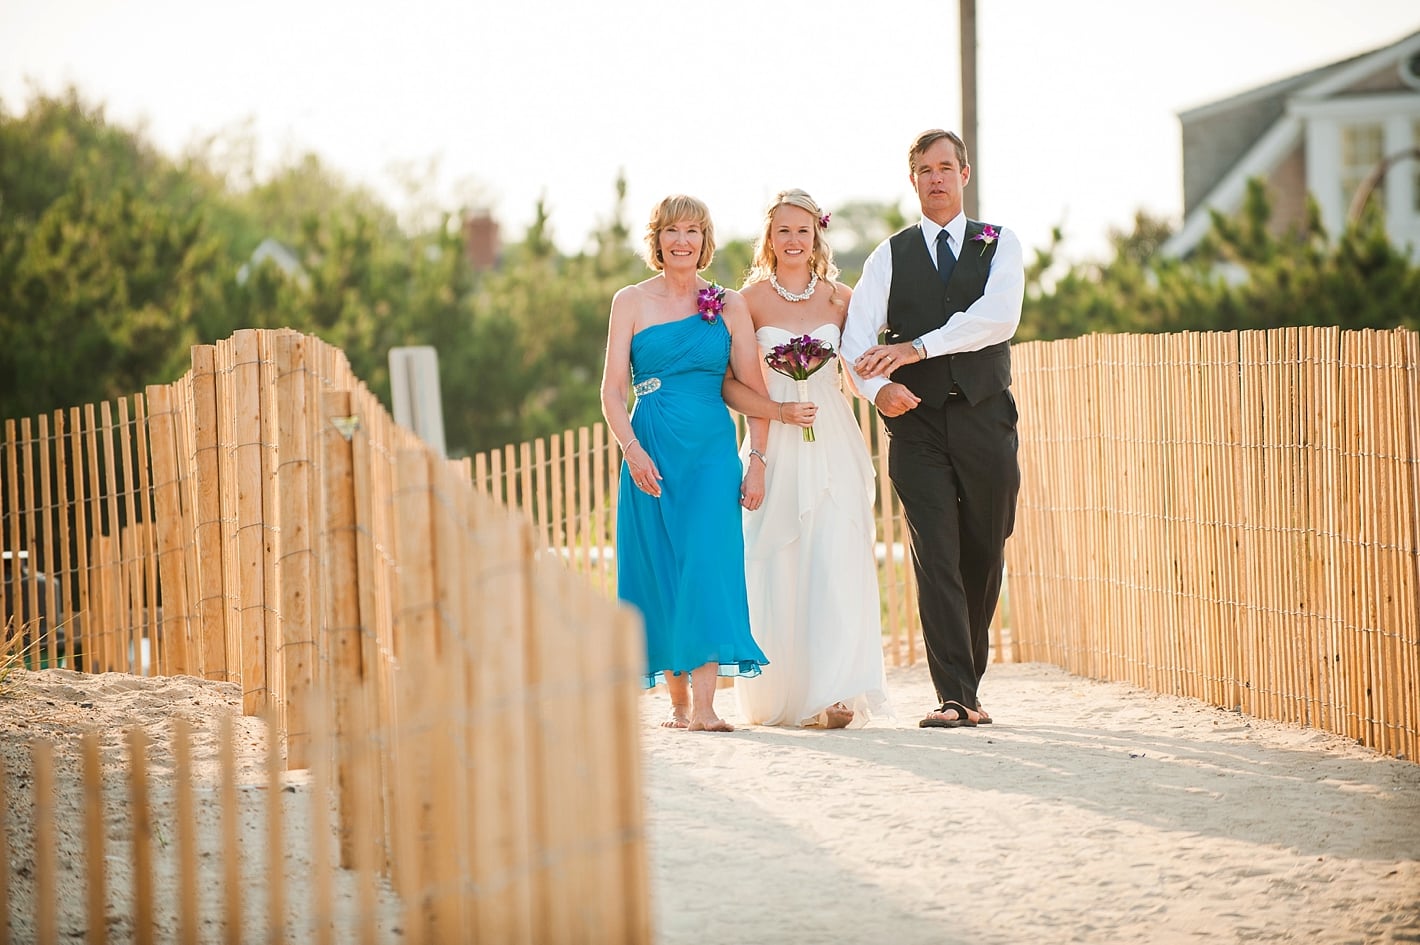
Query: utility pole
x,y
968,103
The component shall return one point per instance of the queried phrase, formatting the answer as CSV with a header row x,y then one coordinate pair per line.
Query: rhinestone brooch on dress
x,y
647,387
788,296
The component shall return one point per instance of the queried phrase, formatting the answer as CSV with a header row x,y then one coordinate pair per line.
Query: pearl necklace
x,y
788,296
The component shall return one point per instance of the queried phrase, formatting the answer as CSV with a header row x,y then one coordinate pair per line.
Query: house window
x,y
1362,149
1410,71
1415,167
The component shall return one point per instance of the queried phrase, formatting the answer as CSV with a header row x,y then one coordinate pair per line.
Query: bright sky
x,y
730,100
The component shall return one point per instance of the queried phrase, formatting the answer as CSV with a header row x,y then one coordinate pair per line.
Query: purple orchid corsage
x,y
986,237
711,302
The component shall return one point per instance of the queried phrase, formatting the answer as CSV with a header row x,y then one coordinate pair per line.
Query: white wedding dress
x,y
809,562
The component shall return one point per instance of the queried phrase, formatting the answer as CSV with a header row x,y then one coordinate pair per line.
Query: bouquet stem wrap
x,y
798,358
802,387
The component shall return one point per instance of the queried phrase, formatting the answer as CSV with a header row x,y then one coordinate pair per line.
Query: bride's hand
x,y
799,413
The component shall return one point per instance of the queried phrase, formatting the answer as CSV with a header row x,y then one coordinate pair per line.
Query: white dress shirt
x,y
990,319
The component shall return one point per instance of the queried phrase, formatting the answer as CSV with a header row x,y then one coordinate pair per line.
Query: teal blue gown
x,y
680,557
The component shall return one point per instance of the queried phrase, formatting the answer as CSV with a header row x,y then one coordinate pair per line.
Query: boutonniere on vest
x,y
986,237
712,302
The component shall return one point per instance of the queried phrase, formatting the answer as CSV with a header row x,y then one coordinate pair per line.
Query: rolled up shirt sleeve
x,y
867,317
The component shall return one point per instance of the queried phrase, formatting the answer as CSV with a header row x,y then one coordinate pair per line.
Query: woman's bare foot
x,y
702,701
711,723
679,717
837,715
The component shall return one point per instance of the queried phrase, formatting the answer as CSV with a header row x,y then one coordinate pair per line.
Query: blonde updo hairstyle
x,y
678,208
820,257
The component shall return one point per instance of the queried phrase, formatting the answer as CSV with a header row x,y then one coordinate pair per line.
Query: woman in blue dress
x,y
673,340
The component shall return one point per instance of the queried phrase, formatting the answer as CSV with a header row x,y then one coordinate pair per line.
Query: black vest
x,y
919,303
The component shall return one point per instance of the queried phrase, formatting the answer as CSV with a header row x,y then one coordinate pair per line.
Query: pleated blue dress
x,y
680,557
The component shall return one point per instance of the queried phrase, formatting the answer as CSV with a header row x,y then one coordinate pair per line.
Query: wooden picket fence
x,y
465,703
1230,516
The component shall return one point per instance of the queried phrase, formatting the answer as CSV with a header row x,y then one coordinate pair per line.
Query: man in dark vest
x,y
928,335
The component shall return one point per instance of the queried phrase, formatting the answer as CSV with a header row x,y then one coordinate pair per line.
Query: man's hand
x,y
894,400
882,360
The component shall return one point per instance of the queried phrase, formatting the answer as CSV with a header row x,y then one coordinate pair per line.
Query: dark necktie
x,y
946,260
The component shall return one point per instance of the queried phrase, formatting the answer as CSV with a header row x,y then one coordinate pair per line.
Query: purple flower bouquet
x,y
798,358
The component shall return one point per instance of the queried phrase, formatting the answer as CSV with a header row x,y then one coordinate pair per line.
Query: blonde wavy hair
x,y
820,257
678,208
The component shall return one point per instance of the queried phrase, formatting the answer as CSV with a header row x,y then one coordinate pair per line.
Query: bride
x,y
809,549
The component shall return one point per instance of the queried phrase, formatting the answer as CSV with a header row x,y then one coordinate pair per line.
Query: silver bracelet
x,y
756,454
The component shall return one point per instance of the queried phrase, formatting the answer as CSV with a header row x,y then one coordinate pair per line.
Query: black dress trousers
x,y
954,467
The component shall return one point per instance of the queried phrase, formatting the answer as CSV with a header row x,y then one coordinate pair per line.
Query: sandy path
x,y
1090,812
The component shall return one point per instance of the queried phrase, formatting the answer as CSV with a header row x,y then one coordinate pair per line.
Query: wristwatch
x,y
760,456
920,347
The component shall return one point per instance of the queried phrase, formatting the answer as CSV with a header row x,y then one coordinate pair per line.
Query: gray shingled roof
x,y
1217,135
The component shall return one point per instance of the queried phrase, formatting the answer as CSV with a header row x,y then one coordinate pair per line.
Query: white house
x,y
1328,132
278,253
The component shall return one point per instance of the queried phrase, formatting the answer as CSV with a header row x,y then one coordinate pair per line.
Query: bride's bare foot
x,y
711,724
837,715
679,717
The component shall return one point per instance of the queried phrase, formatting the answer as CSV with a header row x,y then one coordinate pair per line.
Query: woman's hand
x,y
643,470
752,488
798,413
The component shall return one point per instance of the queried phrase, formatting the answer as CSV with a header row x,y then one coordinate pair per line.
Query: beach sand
x,y
1089,812
58,705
